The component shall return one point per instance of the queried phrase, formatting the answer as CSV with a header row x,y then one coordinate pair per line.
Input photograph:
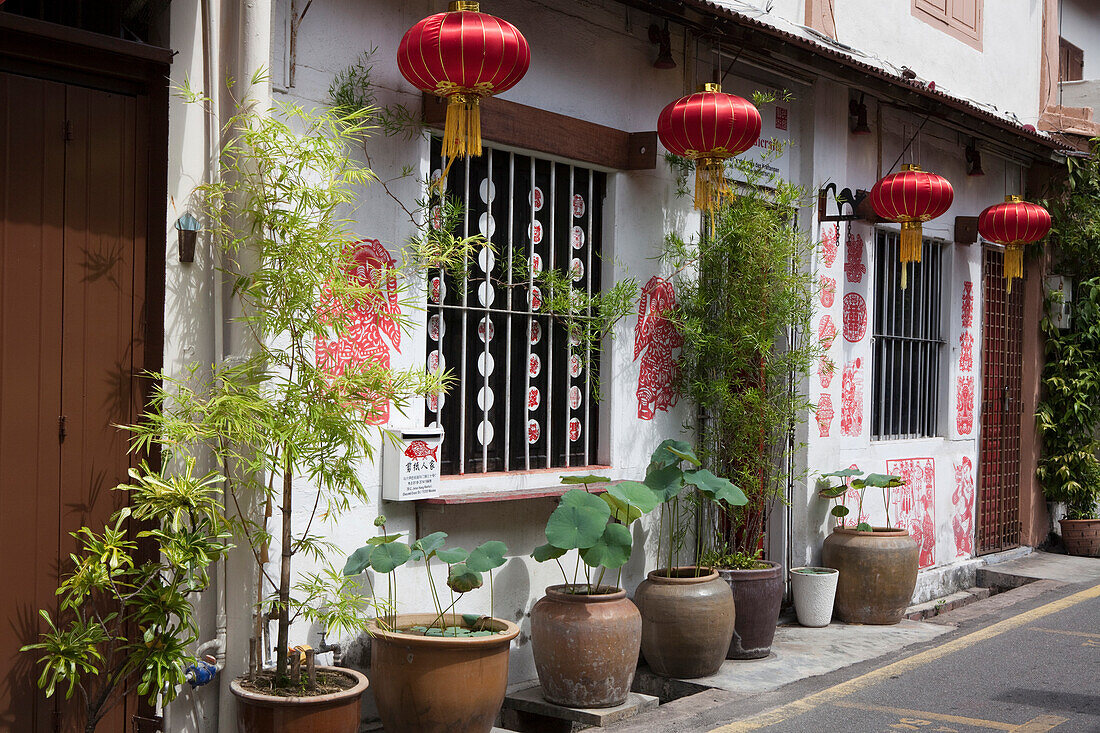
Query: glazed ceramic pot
x,y
757,595
585,645
814,590
434,684
337,712
687,621
878,572
1081,536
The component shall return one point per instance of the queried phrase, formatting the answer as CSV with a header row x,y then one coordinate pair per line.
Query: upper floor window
x,y
1071,61
959,18
524,398
908,347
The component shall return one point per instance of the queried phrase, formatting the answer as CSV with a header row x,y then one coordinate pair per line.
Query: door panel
x,y
32,160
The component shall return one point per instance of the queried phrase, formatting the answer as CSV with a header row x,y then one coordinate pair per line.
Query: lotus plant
x,y
851,478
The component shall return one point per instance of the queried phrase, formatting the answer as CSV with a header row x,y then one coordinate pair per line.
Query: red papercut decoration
x,y
826,331
911,197
533,431
964,411
1014,224
914,503
708,127
854,269
968,304
824,414
574,429
370,320
534,398
966,352
657,338
420,449
851,399
830,242
828,291
463,55
855,317
963,500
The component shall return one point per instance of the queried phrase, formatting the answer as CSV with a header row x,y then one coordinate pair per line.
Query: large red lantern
x,y
1014,224
911,197
708,127
463,55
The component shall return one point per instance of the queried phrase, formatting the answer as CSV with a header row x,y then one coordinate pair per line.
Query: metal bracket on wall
x,y
853,200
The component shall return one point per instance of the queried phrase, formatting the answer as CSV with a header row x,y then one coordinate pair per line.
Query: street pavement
x,y
1027,660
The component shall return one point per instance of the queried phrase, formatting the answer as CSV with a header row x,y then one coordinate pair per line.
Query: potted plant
x,y
877,565
814,590
687,611
126,615
744,303
442,671
586,635
279,413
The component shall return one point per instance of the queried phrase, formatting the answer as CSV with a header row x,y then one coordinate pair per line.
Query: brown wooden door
x,y
71,277
998,525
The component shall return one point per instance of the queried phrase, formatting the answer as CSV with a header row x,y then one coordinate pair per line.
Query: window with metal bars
x,y
908,348
524,397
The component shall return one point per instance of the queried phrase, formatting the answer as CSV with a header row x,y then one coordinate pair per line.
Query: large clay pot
x,y
337,712
433,684
757,596
813,590
878,572
687,621
1081,536
585,646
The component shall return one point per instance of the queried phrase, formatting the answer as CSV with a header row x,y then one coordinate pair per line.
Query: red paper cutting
x,y
824,414
854,269
963,500
968,304
828,291
913,505
830,240
657,338
966,352
855,317
964,415
851,399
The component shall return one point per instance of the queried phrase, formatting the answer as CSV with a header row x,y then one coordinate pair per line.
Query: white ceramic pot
x,y
814,590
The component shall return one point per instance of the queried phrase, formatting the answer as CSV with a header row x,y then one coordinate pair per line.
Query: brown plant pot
x,y
337,712
585,646
757,595
432,684
878,572
687,622
1081,536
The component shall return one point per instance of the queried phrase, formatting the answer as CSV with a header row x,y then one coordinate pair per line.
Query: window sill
x,y
514,486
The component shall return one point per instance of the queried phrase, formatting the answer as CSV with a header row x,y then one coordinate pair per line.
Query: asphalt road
x,y
1028,667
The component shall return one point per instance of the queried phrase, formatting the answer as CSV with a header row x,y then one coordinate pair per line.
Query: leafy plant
x,y
597,526
125,616
1075,217
854,478
745,299
385,553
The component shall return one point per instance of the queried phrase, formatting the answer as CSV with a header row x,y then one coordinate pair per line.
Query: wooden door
x,y
72,243
998,524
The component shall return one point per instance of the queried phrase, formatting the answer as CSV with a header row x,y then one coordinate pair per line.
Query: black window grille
x,y
524,398
908,347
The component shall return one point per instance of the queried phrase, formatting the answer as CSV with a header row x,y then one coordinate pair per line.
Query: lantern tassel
x,y
710,183
1014,265
462,129
911,237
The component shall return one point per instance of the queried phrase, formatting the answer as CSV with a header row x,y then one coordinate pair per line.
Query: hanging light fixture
x,y
708,127
974,160
463,55
1014,223
911,197
859,111
663,40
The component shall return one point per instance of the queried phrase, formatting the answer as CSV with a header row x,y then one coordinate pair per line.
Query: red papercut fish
x,y
420,449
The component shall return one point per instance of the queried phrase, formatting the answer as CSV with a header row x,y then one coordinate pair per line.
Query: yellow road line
x,y
1085,634
1040,725
844,689
924,715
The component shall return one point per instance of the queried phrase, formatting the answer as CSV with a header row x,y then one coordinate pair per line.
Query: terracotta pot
x,y
813,590
585,646
878,572
433,684
757,595
687,621
1081,536
337,712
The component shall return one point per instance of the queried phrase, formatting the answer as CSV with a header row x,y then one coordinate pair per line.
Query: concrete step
x,y
526,709
935,607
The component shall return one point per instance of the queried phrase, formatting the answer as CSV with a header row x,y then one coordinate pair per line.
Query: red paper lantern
x,y
463,55
1014,224
708,127
911,197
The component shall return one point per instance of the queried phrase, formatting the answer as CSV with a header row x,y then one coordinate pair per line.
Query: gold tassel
x,y
462,129
910,248
710,183
1014,265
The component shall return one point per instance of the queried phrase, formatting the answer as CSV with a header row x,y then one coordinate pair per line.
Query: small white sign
x,y
410,465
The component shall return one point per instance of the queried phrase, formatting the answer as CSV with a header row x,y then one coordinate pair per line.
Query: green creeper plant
x,y
125,616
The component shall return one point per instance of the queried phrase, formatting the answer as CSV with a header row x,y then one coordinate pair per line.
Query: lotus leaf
x,y
426,546
452,555
589,479
463,580
383,539
358,561
385,558
671,452
621,511
612,550
578,521
487,556
715,487
665,482
840,511
636,494
542,553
